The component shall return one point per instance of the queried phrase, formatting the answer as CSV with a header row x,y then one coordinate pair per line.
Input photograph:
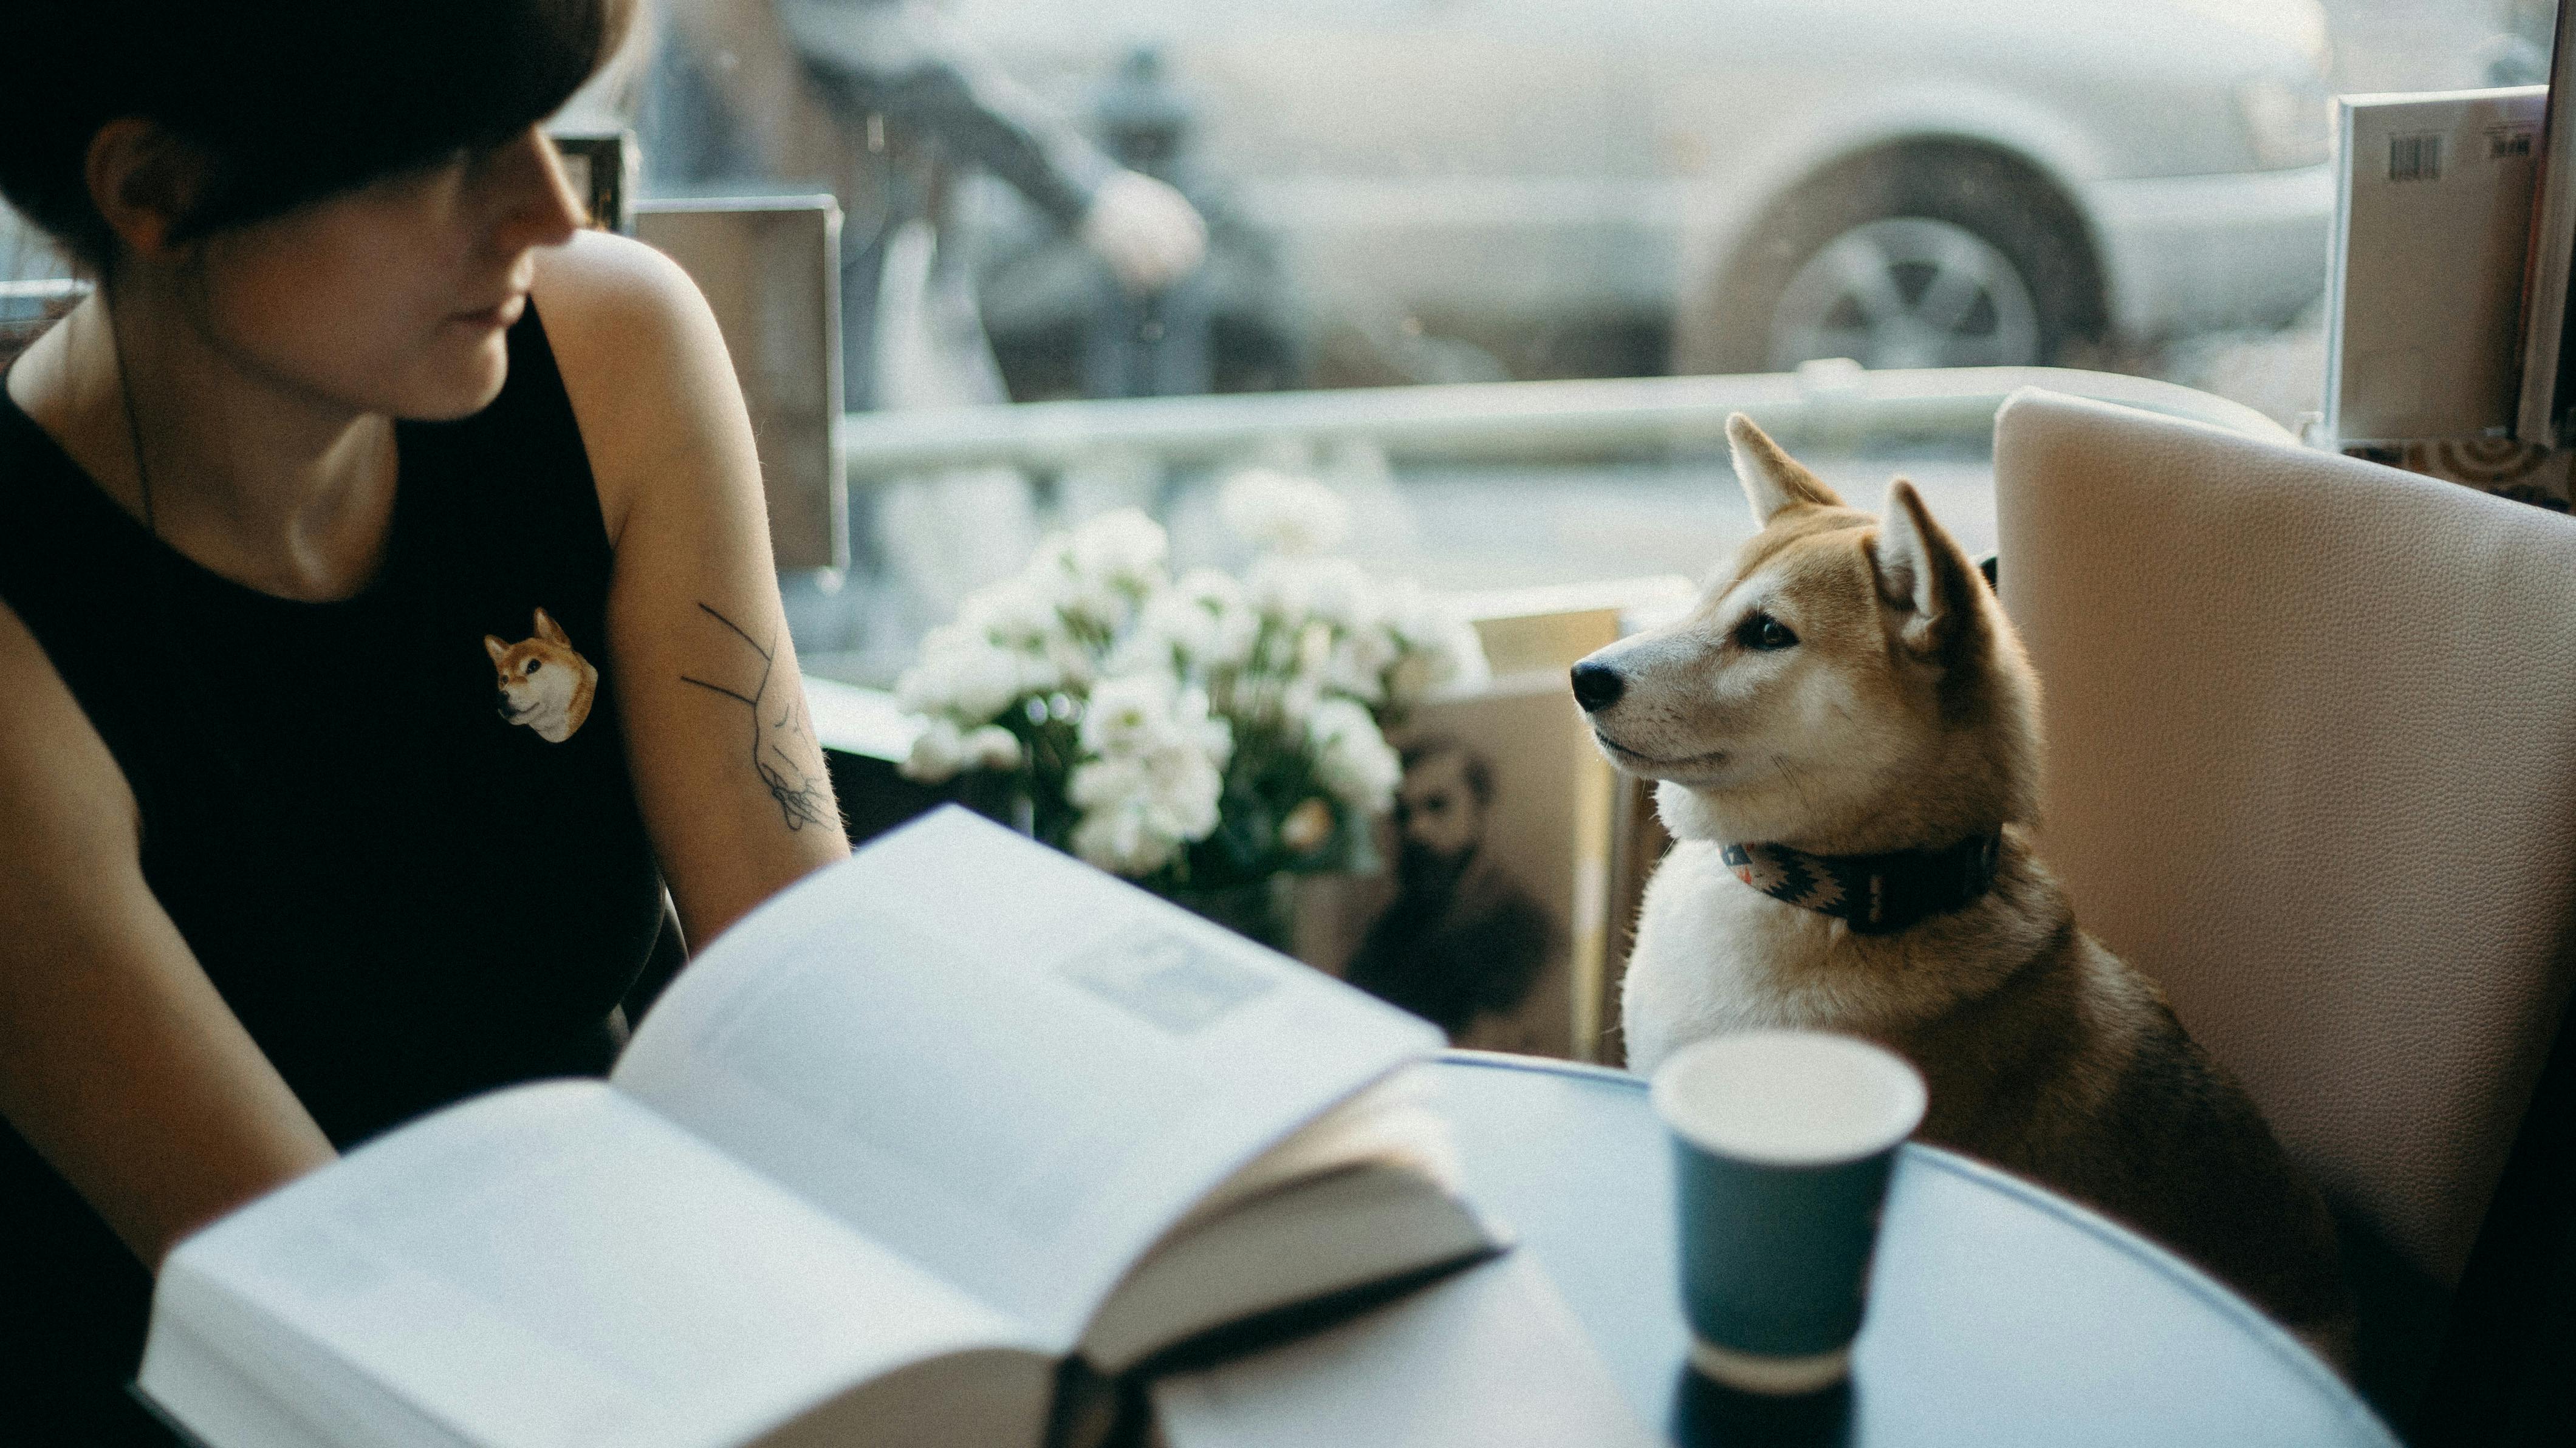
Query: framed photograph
x,y
1491,918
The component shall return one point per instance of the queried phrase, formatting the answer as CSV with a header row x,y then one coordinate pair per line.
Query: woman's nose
x,y
542,207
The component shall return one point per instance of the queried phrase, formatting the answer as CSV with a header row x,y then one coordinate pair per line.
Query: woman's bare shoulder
x,y
608,279
641,359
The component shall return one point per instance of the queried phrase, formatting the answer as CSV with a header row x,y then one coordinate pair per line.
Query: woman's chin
x,y
461,388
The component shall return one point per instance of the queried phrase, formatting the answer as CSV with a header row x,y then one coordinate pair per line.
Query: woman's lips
x,y
500,316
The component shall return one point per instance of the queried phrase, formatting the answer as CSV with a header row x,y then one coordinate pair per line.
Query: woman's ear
x,y
144,180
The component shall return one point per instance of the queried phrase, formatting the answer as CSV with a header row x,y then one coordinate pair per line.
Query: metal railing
x,y
1822,403
1825,402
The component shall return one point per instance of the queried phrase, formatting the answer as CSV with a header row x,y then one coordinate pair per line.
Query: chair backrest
x,y
2312,764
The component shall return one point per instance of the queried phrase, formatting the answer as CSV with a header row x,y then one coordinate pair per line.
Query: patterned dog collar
x,y
1874,894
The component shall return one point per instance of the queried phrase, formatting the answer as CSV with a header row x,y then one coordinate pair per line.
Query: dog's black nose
x,y
1597,686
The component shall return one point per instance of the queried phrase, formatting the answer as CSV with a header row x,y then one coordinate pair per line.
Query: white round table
x,y
1999,1313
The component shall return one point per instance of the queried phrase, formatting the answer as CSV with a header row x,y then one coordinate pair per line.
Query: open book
x,y
908,1138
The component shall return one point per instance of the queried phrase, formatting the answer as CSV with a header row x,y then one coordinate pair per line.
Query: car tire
x,y
1921,256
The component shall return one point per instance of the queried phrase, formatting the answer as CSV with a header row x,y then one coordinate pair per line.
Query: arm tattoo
x,y
782,738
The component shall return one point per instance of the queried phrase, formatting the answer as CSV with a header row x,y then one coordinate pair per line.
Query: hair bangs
x,y
382,89
290,101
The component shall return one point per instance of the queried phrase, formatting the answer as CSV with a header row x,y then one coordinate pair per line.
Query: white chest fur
x,y
1714,954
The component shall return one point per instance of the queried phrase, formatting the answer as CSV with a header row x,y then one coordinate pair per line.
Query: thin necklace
x,y
133,425
182,664
134,431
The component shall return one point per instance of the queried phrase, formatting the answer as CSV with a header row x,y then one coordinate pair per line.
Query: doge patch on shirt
x,y
544,683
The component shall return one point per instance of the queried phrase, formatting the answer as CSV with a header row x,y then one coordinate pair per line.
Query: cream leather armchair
x,y
2312,764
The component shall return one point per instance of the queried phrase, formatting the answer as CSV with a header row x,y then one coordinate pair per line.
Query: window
x,y
1451,191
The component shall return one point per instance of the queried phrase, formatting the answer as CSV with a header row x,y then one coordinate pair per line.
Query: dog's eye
x,y
1764,634
532,666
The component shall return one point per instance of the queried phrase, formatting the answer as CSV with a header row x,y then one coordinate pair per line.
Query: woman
x,y
386,613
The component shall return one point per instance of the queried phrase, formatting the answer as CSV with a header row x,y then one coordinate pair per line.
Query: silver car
x,y
1912,183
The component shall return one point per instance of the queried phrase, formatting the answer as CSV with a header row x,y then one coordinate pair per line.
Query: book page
x,y
1001,1062
1489,1358
555,1265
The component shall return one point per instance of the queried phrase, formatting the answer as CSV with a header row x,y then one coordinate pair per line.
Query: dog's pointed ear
x,y
1922,572
1772,479
497,649
551,631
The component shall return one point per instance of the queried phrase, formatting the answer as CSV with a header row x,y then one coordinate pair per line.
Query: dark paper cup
x,y
1782,1144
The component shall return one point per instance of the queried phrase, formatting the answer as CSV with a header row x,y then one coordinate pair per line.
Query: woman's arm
x,y
118,1060
727,769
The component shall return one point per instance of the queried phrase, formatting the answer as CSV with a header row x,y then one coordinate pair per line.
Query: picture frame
x,y
1495,915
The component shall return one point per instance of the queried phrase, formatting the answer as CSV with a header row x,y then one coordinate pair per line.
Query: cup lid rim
x,y
1903,1106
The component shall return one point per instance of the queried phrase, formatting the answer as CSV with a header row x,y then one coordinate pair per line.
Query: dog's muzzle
x,y
1597,686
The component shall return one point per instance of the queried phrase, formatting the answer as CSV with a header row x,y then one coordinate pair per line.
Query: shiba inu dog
x,y
544,684
1845,738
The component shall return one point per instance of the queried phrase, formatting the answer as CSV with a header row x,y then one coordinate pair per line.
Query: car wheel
x,y
1922,257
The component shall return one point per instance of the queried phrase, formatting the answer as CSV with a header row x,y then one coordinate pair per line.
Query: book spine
x,y
2552,252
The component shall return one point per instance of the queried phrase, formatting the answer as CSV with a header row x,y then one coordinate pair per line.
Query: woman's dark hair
x,y
291,101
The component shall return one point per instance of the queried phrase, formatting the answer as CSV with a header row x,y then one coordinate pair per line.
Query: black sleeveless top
x,y
405,896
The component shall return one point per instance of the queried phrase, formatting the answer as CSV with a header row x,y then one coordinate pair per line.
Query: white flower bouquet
x,y
1195,734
